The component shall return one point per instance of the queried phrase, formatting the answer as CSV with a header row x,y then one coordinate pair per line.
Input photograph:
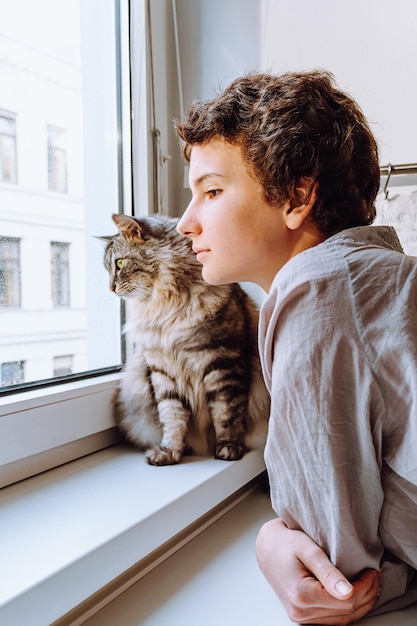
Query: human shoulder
x,y
330,273
311,282
332,256
317,263
384,237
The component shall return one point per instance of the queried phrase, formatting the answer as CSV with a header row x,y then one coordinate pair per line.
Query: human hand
x,y
311,589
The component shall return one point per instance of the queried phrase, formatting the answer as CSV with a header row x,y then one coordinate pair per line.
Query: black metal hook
x,y
386,190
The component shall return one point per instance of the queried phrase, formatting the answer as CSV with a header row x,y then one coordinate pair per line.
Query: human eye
x,y
213,193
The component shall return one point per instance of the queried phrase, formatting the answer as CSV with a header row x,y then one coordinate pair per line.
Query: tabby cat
x,y
193,382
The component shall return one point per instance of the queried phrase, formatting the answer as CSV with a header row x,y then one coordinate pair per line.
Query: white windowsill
x,y
67,533
46,427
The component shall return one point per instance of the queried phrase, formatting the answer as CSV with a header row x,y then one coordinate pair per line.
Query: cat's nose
x,y
112,287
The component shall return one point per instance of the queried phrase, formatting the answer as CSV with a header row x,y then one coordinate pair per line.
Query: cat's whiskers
x,y
141,291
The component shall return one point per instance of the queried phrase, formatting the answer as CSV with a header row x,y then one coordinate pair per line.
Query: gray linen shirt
x,y
338,345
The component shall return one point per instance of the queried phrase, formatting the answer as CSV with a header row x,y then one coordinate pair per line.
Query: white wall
x,y
219,40
369,45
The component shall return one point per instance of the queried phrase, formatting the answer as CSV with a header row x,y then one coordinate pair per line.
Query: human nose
x,y
188,224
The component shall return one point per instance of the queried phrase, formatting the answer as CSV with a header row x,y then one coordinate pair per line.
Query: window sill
x,y
46,427
69,532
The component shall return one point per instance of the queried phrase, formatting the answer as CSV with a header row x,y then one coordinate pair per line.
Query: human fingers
x,y
318,563
335,617
320,593
368,584
299,571
311,604
365,586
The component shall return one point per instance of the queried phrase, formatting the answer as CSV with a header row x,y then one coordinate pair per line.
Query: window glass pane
x,y
11,373
59,131
9,272
57,160
7,147
63,365
60,273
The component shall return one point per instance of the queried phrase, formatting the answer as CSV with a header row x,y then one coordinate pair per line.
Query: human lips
x,y
200,253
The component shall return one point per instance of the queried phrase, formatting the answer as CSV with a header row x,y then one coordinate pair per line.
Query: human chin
x,y
213,277
209,277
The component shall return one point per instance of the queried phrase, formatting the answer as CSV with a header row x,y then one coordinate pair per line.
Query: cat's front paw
x,y
162,456
227,451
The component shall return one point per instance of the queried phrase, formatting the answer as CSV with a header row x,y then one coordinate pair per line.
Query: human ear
x,y
303,201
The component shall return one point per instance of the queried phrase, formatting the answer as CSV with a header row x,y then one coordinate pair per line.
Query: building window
x,y
63,365
60,273
12,373
8,147
57,159
10,289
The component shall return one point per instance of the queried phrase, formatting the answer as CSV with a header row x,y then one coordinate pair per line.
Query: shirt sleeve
x,y
323,451
340,358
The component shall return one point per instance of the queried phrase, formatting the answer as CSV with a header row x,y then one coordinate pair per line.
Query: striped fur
x,y
193,382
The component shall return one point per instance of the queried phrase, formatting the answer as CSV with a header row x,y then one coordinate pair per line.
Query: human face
x,y
237,236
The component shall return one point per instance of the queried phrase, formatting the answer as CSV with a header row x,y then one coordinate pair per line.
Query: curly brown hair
x,y
293,126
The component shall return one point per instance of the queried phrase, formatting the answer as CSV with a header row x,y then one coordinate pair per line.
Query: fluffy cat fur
x,y
193,382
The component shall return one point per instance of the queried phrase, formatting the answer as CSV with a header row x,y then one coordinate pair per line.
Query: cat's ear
x,y
128,226
105,238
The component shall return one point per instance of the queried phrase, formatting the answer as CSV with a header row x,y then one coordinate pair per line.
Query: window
x,y
7,147
58,319
12,373
60,273
9,272
57,160
63,365
53,74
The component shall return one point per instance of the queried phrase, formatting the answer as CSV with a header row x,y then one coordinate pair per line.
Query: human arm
x,y
324,444
338,411
310,588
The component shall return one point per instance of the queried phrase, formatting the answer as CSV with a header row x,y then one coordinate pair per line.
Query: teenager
x,y
284,173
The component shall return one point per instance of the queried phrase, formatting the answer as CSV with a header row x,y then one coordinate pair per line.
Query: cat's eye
x,y
119,264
